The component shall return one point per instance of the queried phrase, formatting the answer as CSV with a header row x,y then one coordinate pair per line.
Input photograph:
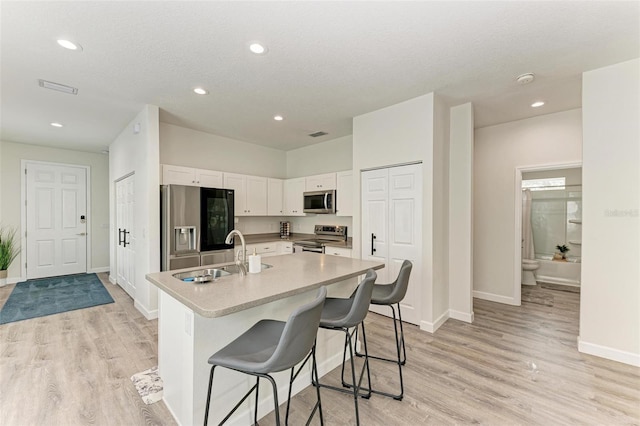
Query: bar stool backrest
x,y
298,335
401,283
361,300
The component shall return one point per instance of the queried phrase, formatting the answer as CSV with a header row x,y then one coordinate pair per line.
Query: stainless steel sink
x,y
235,270
211,274
202,275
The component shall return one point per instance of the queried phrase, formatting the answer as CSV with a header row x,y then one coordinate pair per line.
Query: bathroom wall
x,y
555,214
498,151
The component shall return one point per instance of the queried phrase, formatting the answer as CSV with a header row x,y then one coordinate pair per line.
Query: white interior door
x,y
56,203
125,227
392,229
375,208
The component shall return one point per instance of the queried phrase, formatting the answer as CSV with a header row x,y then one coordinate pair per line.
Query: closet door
x,y
392,229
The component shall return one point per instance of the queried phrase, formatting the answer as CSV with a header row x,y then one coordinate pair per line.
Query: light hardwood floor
x,y
513,365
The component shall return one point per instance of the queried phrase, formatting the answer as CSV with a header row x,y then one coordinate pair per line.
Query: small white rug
x,y
149,385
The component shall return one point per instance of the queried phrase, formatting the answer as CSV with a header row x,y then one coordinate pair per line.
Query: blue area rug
x,y
48,296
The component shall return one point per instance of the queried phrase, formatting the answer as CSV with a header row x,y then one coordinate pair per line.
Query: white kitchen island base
x,y
187,340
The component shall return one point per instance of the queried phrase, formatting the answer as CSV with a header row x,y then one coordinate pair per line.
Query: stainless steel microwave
x,y
323,202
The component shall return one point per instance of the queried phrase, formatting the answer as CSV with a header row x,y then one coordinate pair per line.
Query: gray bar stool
x,y
271,346
389,295
344,314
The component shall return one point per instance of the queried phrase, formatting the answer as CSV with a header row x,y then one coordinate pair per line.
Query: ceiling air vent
x,y
318,134
57,86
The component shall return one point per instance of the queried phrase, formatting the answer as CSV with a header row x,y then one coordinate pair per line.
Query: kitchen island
x,y
196,320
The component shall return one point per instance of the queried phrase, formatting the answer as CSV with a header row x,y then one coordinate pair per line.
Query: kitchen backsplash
x,y
302,225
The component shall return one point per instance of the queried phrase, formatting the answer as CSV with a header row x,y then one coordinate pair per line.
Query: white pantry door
x,y
125,250
56,206
392,229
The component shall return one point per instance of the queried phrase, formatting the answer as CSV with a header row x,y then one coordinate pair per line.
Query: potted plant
x,y
8,251
562,252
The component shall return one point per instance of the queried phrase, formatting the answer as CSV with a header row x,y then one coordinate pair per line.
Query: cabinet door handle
x,y
373,249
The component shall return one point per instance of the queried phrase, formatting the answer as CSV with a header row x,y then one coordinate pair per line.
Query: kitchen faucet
x,y
241,264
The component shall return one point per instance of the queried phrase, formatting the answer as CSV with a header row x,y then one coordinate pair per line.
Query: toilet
x,y
528,266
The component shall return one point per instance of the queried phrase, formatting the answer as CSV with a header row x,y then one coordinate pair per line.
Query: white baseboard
x,y
609,353
461,316
431,327
13,280
495,298
112,279
99,270
147,314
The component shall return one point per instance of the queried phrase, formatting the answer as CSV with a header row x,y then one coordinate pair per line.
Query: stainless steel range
x,y
324,234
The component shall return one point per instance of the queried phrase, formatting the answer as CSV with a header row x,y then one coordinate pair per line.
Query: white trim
x,y
609,353
496,298
150,315
461,316
517,267
112,280
432,327
99,270
23,211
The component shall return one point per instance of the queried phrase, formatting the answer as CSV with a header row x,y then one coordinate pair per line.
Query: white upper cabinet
x,y
178,175
293,193
209,178
275,200
344,193
321,182
256,196
250,194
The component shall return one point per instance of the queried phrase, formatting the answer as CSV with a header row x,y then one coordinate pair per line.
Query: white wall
x,y
334,155
440,211
10,211
610,295
402,133
138,154
498,151
186,147
461,213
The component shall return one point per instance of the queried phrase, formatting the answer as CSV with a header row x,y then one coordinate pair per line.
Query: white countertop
x,y
290,275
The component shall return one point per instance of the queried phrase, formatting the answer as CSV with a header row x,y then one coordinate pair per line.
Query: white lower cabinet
x,y
285,247
337,251
263,249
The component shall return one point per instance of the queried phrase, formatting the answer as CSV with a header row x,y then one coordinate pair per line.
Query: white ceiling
x,y
327,62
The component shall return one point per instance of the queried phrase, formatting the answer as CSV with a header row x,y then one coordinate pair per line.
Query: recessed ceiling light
x,y
525,78
257,48
537,104
201,91
69,45
56,124
278,117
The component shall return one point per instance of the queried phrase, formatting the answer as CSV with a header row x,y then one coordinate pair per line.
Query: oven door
x,y
299,248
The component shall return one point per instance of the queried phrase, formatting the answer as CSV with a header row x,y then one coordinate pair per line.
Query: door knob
x,y
82,234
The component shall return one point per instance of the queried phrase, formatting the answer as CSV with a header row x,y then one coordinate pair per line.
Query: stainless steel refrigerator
x,y
194,224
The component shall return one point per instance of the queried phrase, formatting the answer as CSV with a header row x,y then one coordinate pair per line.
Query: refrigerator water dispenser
x,y
185,239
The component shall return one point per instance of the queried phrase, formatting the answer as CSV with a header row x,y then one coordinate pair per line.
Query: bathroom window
x,y
546,184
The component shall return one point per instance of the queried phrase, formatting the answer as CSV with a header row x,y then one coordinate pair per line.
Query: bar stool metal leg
x,y
401,357
356,385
